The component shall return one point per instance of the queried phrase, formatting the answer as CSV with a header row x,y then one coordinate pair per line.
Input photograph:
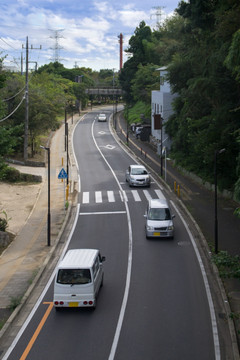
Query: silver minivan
x,y
159,219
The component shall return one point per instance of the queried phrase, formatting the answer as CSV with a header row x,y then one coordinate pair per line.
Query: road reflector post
x,y
178,191
175,186
67,192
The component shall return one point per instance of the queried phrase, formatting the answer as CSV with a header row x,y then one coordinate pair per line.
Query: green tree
x,y
206,116
233,57
146,79
138,50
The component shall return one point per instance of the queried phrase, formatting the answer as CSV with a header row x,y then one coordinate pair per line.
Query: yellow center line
x,y
39,328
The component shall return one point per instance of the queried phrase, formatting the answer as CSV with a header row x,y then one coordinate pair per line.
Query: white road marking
x,y
136,195
147,194
111,197
123,195
85,197
98,196
103,213
207,288
159,194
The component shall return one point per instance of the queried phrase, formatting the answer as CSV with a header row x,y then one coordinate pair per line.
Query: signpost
x,y
63,175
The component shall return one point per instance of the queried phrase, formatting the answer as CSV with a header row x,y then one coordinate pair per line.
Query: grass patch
x,y
14,302
228,266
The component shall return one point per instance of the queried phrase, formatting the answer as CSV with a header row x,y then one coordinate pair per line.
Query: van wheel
x,y
101,285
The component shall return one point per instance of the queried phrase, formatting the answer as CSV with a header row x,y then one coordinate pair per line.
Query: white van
x,y
78,279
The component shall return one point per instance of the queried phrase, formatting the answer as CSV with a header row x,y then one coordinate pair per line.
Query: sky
x,y
77,33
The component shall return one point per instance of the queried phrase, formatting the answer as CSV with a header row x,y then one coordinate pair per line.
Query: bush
x,y
3,221
12,175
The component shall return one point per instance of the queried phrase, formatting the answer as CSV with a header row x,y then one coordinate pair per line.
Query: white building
x,y
161,104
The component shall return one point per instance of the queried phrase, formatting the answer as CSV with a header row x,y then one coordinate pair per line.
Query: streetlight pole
x,y
49,213
67,151
217,152
114,123
65,123
161,158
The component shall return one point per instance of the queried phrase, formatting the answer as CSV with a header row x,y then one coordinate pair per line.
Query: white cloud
x,y
90,28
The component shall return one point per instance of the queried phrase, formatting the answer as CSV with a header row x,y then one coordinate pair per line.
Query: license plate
x,y
73,304
156,234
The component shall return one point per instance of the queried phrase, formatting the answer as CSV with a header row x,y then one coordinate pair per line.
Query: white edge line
x,y
37,304
207,288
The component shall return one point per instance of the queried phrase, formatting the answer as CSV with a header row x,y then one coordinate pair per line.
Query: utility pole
x,y
25,150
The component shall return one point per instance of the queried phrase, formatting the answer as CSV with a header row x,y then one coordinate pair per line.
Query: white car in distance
x,y
102,118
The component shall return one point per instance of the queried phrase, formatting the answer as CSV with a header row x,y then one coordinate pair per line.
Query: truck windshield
x,y
74,276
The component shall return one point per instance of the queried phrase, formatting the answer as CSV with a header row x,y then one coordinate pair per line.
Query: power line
x,y
7,43
13,110
12,97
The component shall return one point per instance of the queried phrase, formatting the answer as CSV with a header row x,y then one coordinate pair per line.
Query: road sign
x,y
62,174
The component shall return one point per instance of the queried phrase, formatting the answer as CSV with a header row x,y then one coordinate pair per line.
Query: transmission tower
x,y
56,36
158,14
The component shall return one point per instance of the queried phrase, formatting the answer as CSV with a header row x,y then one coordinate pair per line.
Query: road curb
x,y
37,277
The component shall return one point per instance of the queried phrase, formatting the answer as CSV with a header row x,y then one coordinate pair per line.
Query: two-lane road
x,y
154,303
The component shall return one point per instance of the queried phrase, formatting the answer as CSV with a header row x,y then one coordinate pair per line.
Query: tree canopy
x,y
199,45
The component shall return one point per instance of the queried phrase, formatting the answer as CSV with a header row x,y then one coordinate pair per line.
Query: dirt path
x,y
18,201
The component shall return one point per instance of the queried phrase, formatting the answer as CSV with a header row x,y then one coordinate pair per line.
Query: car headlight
x,y
150,228
170,227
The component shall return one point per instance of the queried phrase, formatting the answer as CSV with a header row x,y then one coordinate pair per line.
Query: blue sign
x,y
62,174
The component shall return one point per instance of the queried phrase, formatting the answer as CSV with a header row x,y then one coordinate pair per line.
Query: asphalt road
x,y
154,303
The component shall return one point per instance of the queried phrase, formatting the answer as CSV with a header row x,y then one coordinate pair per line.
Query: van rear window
x,y
74,276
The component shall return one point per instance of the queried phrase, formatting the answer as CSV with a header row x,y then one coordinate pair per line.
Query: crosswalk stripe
x,y
147,194
123,195
85,197
111,197
159,194
136,195
98,196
